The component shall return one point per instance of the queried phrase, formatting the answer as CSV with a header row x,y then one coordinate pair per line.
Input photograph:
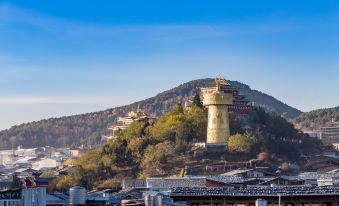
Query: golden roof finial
x,y
220,80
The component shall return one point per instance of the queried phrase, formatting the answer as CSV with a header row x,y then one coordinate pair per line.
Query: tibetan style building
x,y
123,122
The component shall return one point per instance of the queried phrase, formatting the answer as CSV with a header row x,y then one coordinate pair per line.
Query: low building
x,y
25,162
245,173
320,179
334,181
229,196
7,157
169,182
35,196
257,172
21,152
6,181
24,172
322,163
313,134
101,198
43,181
133,183
77,152
57,200
47,163
215,168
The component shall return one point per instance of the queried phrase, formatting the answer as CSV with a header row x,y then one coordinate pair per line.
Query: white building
x,y
314,134
25,162
7,157
45,163
330,135
25,152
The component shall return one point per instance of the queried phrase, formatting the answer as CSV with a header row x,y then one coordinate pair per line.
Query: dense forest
x,y
88,128
315,119
164,148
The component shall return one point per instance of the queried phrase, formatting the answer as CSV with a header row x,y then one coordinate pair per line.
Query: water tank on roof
x,y
77,195
158,199
148,200
260,202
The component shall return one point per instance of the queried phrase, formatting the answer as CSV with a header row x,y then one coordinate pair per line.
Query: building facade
x,y
123,122
283,196
330,135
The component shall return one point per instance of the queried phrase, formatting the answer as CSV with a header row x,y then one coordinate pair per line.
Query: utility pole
x,y
279,199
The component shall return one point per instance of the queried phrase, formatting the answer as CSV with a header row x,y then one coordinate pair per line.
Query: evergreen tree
x,y
197,101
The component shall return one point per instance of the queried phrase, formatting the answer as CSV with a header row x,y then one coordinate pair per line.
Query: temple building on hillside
x,y
220,100
123,122
241,105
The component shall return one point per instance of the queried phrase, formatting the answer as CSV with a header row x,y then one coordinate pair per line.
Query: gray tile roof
x,y
255,191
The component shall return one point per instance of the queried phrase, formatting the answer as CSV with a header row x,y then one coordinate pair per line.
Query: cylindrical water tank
x,y
260,202
158,199
41,196
148,199
77,195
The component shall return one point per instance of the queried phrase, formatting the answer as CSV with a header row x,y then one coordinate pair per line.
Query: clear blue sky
x,y
67,57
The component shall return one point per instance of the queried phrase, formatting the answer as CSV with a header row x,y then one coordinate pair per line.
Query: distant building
x,y
323,163
7,157
330,134
334,181
10,157
77,152
25,162
26,152
188,104
24,172
245,173
171,182
47,163
319,179
58,199
314,134
35,196
6,182
280,195
123,122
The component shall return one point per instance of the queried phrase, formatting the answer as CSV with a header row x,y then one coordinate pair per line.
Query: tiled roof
x,y
176,182
255,191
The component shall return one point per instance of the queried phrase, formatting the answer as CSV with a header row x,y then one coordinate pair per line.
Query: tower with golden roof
x,y
217,99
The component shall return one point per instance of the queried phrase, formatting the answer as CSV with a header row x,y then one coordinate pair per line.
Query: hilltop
x,y
88,128
166,147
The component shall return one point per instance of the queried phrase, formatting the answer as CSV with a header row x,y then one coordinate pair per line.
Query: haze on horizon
x,y
69,57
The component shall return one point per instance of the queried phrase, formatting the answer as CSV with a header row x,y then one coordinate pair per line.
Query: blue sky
x,y
67,57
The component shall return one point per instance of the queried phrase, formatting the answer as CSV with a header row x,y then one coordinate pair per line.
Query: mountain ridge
x,y
317,118
88,128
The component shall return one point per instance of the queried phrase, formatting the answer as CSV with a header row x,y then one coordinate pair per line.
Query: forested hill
x,y
315,119
88,128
